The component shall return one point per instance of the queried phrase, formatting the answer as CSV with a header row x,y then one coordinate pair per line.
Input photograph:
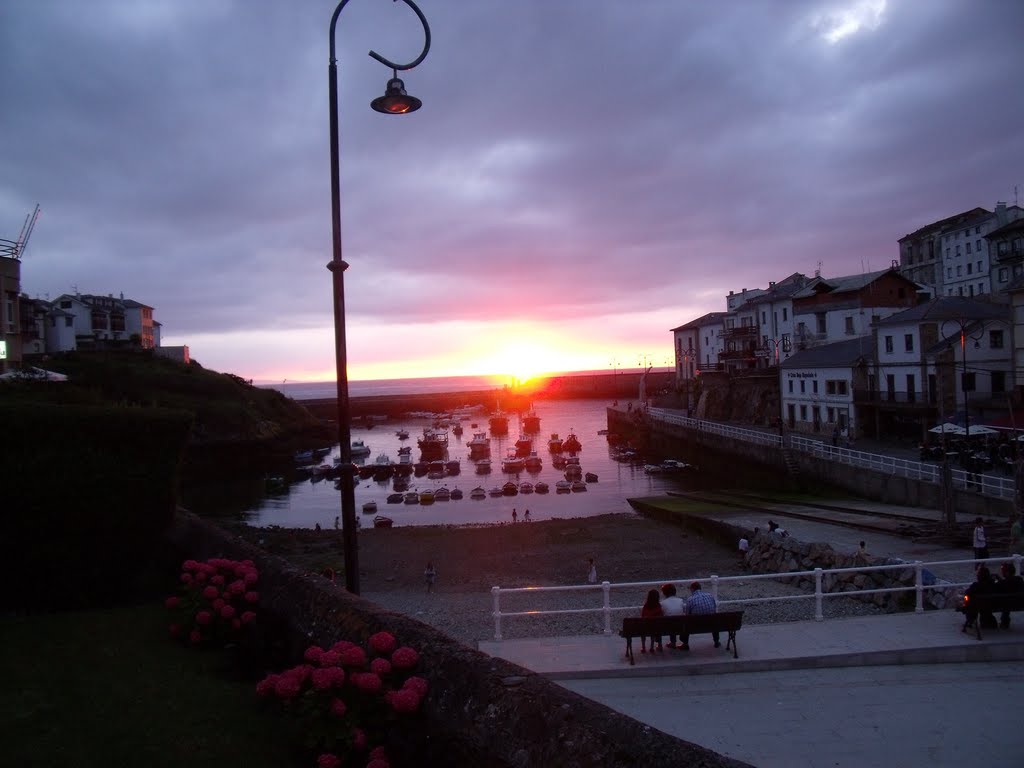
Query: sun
x,y
524,361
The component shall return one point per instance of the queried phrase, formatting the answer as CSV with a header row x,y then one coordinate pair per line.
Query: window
x,y
803,386
911,388
959,270
998,381
791,386
69,322
968,247
908,342
970,290
787,345
1003,275
977,231
995,339
803,413
949,273
977,245
814,387
849,325
979,267
830,414
65,305
819,318
836,387
970,268
888,344
785,314
947,253
958,250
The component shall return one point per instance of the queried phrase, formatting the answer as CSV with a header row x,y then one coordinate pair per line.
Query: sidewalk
x,y
932,637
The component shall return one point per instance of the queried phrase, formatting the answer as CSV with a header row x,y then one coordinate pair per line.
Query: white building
x,y
817,385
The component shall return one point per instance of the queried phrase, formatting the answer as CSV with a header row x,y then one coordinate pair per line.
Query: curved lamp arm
x,y
373,54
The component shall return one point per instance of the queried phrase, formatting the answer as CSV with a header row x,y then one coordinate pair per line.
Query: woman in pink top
x,y
652,607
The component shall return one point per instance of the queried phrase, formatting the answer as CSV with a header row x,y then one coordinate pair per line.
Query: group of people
x,y
985,583
668,603
515,515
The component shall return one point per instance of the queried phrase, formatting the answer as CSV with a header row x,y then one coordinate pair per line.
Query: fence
x,y
988,485
819,595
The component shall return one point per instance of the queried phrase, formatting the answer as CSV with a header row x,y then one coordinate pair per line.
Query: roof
x,y
709,319
942,224
1007,228
845,283
948,308
841,354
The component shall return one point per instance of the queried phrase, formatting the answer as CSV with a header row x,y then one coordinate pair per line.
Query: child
x,y
430,575
651,607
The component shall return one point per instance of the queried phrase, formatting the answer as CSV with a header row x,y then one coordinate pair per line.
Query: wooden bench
x,y
697,624
993,603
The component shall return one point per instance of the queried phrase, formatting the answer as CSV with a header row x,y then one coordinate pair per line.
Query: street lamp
x,y
395,101
963,324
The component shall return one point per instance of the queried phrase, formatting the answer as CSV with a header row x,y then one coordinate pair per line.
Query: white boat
x,y
434,443
441,494
483,466
541,487
479,445
513,463
495,491
526,487
359,449
478,493
563,486
412,498
533,462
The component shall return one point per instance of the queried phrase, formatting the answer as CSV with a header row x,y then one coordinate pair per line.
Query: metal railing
x,y
987,485
819,595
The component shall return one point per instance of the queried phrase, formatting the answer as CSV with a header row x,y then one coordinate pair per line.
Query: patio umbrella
x,y
981,431
33,374
948,429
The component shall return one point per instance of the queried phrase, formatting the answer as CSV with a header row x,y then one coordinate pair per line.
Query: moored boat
x,y
513,462
498,422
531,422
370,507
403,434
572,443
590,477
526,487
554,443
495,491
541,487
524,445
483,466
563,486
426,497
359,449
478,493
382,522
394,498
509,489
412,498
441,494
479,445
579,485
456,494
433,444
533,462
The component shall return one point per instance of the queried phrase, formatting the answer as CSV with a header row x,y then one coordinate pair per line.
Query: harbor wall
x,y
768,465
479,710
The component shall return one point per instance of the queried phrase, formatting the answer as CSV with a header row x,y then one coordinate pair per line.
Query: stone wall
x,y
481,711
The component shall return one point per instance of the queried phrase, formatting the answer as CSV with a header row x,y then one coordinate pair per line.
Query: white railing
x,y
819,595
987,485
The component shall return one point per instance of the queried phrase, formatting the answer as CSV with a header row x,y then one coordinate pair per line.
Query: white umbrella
x,y
948,429
980,431
33,374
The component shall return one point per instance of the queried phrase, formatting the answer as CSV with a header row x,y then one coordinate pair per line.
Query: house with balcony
x,y
97,320
1006,248
816,386
833,309
950,358
773,315
921,252
697,346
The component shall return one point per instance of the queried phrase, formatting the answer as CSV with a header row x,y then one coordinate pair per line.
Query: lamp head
x,y
395,100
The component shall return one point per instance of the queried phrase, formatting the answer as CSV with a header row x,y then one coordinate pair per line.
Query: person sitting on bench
x,y
672,605
700,602
984,584
652,607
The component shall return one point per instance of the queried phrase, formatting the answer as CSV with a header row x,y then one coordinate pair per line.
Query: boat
x,y
370,507
441,494
524,445
526,487
453,467
405,450
563,486
579,485
479,445
541,487
533,462
303,457
401,483
509,489
572,443
498,422
573,472
426,497
365,472
359,449
531,422
558,461
513,462
590,477
395,498
433,444
457,429
555,443
456,494
382,522
403,434
478,493
483,466
495,491
412,498
382,469
275,484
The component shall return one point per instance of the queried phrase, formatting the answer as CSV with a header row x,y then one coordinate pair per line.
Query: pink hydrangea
x,y
327,760
266,686
195,636
380,666
227,612
405,700
338,708
330,659
237,587
382,643
378,763
342,645
336,674
367,681
358,738
203,617
218,604
217,579
313,654
404,658
287,686
248,617
186,578
418,684
189,565
250,578
252,597
353,657
172,602
322,679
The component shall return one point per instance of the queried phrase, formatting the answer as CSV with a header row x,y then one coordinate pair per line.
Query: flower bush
x,y
342,700
218,601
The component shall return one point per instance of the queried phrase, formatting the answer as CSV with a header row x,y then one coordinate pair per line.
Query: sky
x,y
584,175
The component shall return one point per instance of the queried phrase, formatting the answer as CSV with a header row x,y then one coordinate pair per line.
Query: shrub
x,y
218,602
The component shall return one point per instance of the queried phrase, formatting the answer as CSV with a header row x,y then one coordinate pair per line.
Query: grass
x,y
109,687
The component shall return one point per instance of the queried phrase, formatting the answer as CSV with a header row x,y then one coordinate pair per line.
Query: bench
x,y
993,603
697,624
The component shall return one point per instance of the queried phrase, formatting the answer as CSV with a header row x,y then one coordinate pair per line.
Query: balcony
x,y
1011,255
743,332
891,398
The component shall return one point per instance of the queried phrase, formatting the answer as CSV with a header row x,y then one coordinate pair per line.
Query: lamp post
x,y
962,325
395,101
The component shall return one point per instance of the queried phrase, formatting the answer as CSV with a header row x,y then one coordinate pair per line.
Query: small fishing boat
x,y
495,491
533,462
441,494
478,493
370,507
457,429
578,485
403,434
483,466
433,444
382,522
541,487
526,487
359,449
509,489
498,422
563,486
531,422
590,477
394,498
456,494
412,498
426,497
479,444
303,457
513,463
572,443
523,446
453,467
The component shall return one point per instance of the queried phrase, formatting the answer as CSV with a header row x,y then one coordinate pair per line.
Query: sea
x,y
308,502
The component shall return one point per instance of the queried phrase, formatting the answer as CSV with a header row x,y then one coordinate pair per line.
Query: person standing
x,y
980,542
526,516
697,604
592,573
671,605
743,547
515,515
430,575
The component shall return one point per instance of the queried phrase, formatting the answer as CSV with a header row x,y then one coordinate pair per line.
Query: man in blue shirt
x,y
700,602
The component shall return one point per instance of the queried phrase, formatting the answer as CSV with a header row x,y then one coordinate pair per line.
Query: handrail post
x,y
606,587
496,594
714,587
1018,561
919,586
818,615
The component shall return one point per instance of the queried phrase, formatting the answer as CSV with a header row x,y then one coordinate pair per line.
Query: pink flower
x,y
353,657
189,565
322,679
342,645
186,578
195,637
287,686
378,763
380,666
418,684
201,577
327,760
337,675
404,658
330,659
172,602
218,580
252,597
227,612
250,578
367,681
248,617
405,700
358,738
218,604
203,617
266,686
338,708
313,654
382,643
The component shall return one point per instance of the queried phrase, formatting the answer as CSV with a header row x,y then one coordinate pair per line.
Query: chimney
x,y
1001,214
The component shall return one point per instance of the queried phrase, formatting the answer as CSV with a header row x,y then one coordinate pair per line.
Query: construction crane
x,y
13,249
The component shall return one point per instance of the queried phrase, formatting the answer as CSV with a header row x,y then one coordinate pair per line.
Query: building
x,y
10,325
921,254
817,385
83,321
